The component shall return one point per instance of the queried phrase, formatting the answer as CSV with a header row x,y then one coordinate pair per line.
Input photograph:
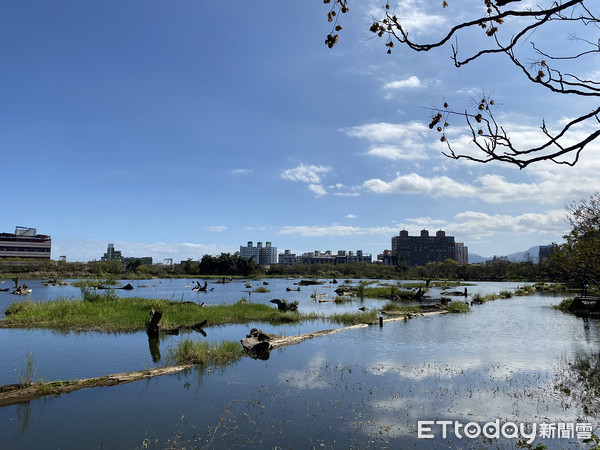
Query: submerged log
x,y
19,393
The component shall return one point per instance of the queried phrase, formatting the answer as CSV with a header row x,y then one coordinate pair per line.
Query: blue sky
x,y
176,129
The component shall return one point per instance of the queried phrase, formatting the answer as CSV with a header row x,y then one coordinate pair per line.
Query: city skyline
x,y
150,126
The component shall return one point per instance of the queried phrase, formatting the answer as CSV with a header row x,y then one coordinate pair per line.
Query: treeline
x,y
233,265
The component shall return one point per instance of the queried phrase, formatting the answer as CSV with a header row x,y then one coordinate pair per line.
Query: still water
x,y
364,387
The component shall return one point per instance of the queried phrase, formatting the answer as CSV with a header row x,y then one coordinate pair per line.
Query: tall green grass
x,y
368,317
132,314
205,353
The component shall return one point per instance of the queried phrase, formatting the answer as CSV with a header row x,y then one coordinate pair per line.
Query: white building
x,y
266,255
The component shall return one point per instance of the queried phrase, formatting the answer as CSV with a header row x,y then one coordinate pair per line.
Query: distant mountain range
x,y
533,252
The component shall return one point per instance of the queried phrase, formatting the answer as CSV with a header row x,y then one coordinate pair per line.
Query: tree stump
x,y
153,327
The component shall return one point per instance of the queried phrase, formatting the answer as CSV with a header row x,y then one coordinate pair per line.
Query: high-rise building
x,y
462,254
423,249
266,255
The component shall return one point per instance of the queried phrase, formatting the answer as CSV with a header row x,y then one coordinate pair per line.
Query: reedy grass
x,y
27,375
205,353
368,317
395,307
132,314
458,307
261,289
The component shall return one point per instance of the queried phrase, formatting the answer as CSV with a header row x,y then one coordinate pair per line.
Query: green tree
x,y
579,257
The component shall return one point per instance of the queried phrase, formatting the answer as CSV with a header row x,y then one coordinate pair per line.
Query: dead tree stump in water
x,y
153,327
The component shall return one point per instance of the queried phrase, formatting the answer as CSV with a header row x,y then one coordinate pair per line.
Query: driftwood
x,y
127,287
22,290
19,393
199,288
309,282
283,305
154,327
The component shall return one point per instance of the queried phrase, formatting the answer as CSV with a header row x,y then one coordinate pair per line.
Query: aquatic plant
x,y
399,308
27,374
564,305
93,295
368,317
458,307
261,289
205,353
132,314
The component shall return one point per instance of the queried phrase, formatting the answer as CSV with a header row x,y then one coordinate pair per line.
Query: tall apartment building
x,y
462,254
266,255
25,243
423,249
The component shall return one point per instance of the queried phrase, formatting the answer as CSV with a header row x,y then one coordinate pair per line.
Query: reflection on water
x,y
514,360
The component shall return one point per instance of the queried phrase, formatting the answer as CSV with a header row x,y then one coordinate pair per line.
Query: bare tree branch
x,y
491,140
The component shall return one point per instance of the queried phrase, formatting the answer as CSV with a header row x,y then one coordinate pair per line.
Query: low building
x,y
287,258
387,258
112,254
342,257
25,243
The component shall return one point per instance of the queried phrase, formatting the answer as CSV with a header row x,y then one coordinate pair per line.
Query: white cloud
x,y
394,153
351,216
216,228
241,171
318,189
335,230
481,225
306,174
416,184
411,82
384,132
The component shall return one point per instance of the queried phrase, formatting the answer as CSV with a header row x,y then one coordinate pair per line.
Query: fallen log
x,y
20,393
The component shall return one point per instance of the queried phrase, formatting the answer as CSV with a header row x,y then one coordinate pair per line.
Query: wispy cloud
x,y
241,171
395,153
351,216
334,230
318,189
308,174
395,141
216,228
